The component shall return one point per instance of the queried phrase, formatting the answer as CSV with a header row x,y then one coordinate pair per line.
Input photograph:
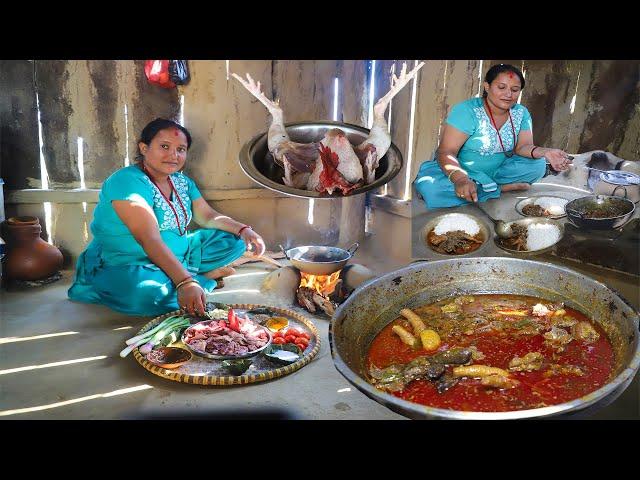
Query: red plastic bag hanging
x,y
157,72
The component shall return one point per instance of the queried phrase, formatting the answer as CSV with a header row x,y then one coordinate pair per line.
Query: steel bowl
x,y
319,260
430,225
576,211
377,302
526,222
261,167
533,199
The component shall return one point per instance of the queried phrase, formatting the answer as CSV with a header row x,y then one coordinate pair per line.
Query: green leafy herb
x,y
237,367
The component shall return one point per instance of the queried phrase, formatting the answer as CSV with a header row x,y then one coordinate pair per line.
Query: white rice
x,y
555,206
541,236
457,221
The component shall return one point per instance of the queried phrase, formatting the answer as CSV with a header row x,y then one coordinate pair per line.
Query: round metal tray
x,y
533,199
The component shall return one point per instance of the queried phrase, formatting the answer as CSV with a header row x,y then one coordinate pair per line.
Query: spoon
x,y
503,229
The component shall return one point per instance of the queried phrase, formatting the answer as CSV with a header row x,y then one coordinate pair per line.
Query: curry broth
x,y
579,368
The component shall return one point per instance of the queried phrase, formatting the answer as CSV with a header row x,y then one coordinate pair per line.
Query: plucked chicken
x,y
333,163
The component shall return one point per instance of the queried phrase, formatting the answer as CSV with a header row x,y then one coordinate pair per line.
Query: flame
x,y
323,284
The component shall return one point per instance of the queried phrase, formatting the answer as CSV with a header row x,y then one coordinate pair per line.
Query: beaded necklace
x,y
175,192
513,130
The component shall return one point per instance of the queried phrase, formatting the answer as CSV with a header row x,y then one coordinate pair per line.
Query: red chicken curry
x,y
490,353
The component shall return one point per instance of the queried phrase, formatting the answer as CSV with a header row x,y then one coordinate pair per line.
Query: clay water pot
x,y
29,257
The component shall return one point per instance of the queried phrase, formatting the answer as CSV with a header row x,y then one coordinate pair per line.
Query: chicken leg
x,y
301,156
376,145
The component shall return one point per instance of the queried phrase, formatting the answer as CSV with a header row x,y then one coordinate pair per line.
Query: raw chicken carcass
x,y
332,163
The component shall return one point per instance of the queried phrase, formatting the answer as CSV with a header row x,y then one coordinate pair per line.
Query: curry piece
x,y
414,319
499,381
532,210
406,337
445,382
556,369
396,377
517,240
389,378
421,367
557,338
528,363
456,242
454,356
475,353
478,371
563,321
584,332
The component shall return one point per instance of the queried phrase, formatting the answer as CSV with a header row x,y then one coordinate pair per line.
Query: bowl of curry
x,y
486,338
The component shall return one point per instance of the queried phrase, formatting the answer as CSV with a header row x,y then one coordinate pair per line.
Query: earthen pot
x,y
29,257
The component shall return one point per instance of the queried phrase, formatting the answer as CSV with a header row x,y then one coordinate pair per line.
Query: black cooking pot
x,y
581,211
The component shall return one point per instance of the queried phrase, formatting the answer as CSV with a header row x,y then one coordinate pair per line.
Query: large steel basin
x,y
259,164
377,302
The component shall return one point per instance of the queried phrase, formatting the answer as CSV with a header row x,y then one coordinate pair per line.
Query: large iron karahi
x,y
377,302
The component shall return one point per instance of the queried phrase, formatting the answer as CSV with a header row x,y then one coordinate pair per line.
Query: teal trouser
x,y
145,289
437,191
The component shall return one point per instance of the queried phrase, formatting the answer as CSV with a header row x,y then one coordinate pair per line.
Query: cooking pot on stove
x,y
378,301
319,260
580,211
620,184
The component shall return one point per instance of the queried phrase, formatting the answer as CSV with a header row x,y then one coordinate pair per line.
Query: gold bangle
x,y
185,281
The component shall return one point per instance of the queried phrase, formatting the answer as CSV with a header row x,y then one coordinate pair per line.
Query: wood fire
x,y
315,291
323,284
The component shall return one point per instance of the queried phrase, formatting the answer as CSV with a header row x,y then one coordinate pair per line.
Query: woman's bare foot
x,y
514,187
220,272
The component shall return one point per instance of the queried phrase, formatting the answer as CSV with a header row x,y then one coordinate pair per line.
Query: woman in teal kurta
x,y
487,147
142,260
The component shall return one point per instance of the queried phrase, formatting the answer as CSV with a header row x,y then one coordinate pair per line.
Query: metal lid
x,y
617,177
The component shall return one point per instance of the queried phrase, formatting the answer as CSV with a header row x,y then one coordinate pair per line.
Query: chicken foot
x,y
376,145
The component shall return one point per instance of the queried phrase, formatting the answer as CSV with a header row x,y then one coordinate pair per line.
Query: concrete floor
x,y
97,385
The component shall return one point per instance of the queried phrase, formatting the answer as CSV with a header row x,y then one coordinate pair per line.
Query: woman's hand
x,y
253,241
466,189
558,159
191,298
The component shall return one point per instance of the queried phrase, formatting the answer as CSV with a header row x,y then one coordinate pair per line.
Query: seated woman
x,y
486,147
142,260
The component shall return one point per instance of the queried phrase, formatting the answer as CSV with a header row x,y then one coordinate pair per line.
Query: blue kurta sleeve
x,y
462,117
194,192
126,184
527,124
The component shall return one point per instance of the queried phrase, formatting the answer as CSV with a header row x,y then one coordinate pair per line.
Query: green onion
x,y
160,326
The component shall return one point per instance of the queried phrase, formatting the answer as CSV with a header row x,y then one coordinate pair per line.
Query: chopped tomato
x,y
305,335
301,347
278,334
292,331
233,320
290,338
302,341
278,340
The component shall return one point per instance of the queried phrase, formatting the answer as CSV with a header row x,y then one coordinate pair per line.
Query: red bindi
x,y
176,132
510,75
